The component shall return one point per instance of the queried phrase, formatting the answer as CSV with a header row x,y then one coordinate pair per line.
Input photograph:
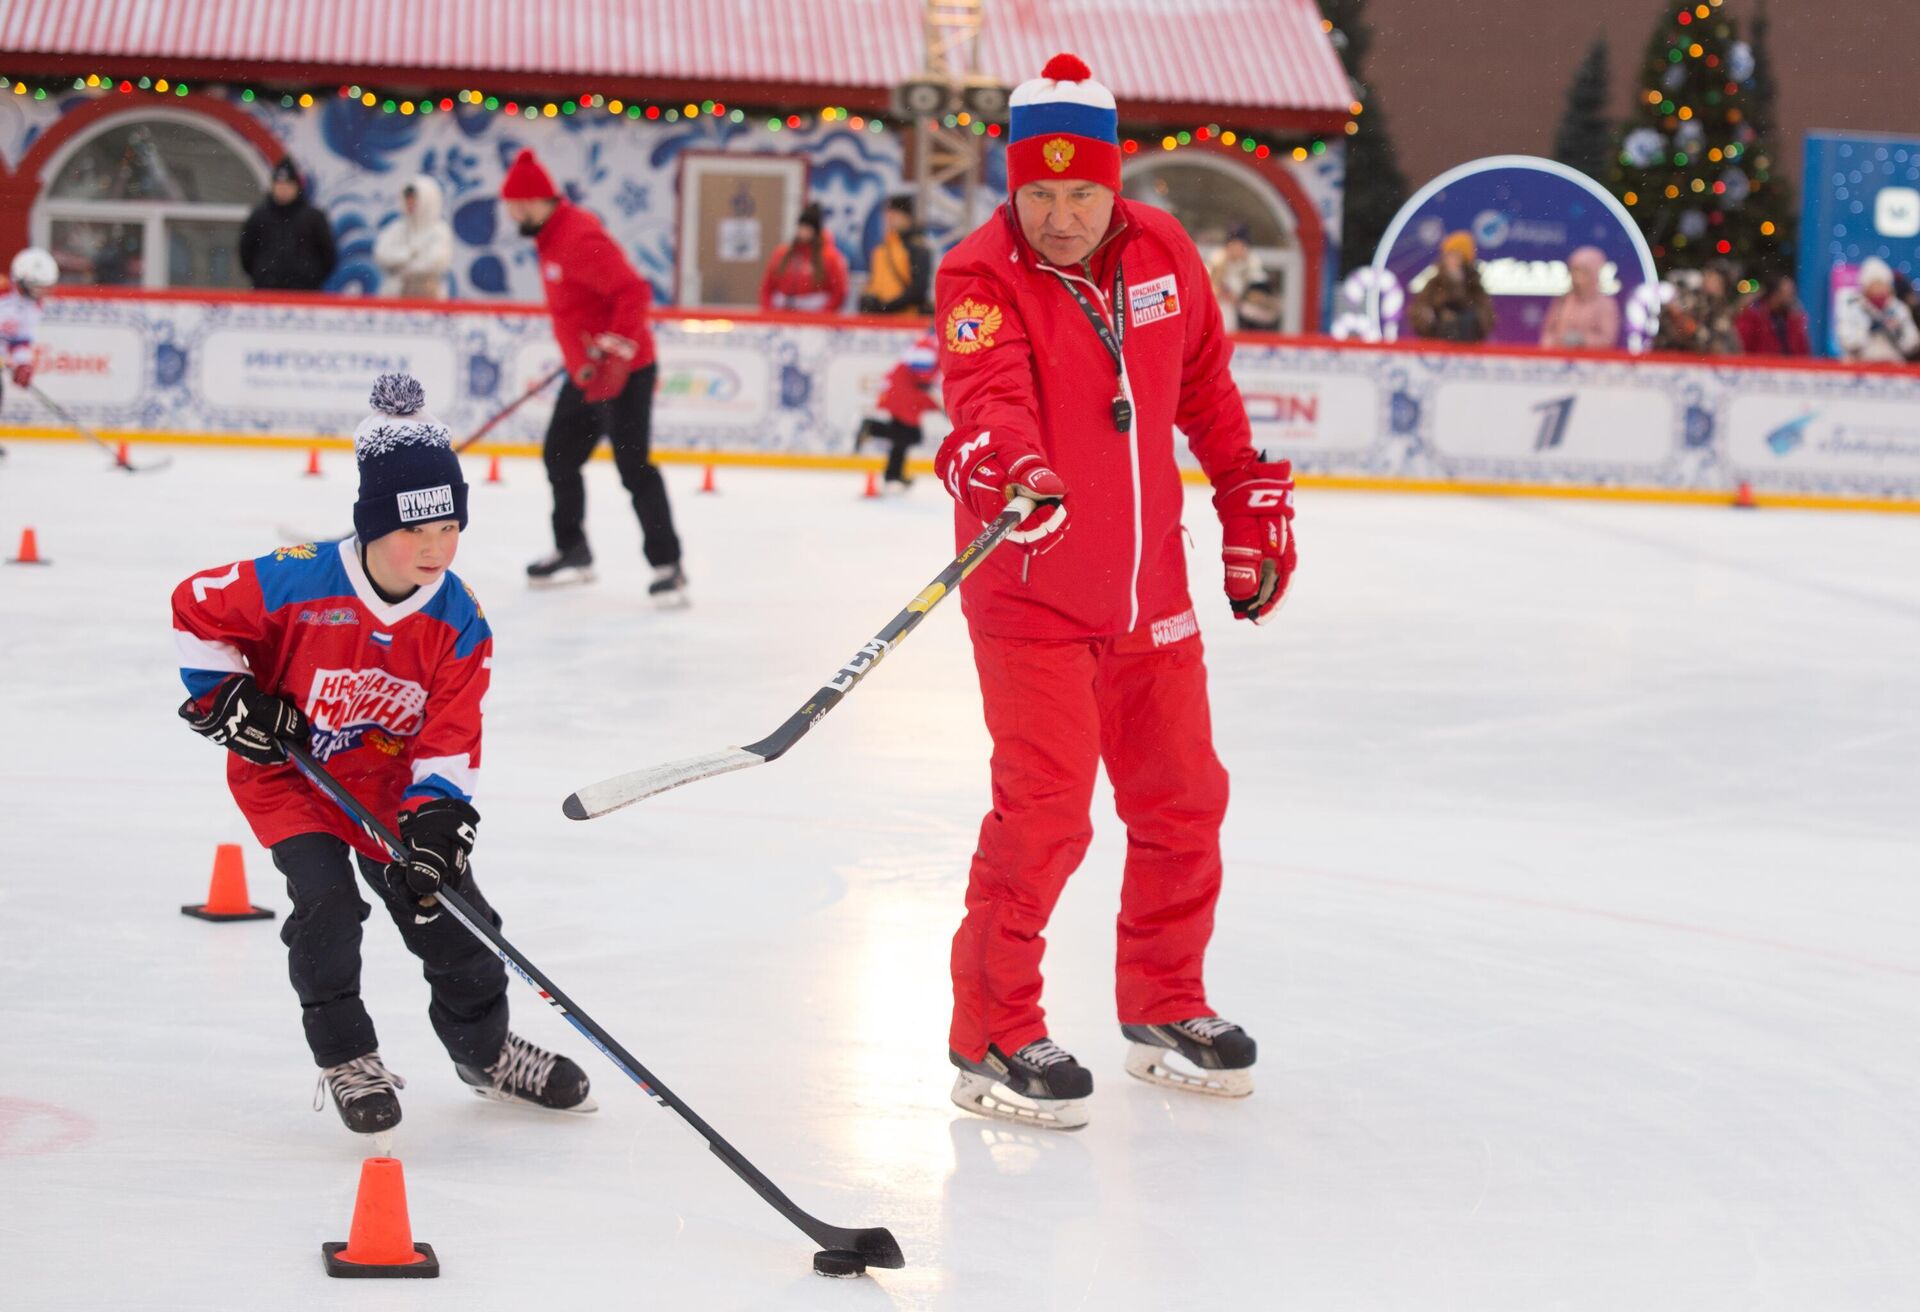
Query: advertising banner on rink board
x,y
289,371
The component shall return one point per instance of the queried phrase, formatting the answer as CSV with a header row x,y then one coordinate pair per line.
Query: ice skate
x,y
362,1092
1204,1055
527,1073
1040,1086
669,587
557,569
896,487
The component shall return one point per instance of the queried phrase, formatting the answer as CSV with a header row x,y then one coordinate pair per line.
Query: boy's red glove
x,y
982,477
1256,521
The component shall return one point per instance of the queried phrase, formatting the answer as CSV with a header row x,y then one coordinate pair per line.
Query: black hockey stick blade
x,y
624,790
876,1246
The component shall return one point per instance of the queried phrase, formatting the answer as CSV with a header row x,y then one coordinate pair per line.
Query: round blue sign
x,y
1526,216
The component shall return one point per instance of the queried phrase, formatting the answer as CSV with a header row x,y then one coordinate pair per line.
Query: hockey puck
x,y
839,1263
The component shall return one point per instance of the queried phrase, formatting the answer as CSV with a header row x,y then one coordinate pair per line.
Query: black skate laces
x,y
1042,1053
1206,1028
521,1065
354,1080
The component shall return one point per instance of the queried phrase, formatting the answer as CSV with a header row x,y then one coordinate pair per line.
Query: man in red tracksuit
x,y
1076,331
599,306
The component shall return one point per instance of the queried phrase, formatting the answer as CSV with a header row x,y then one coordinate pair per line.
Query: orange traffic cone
x,y
227,892
873,484
381,1241
313,462
1743,498
706,481
120,456
493,469
29,550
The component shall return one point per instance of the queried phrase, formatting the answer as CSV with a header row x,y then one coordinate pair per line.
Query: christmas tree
x,y
1693,168
1376,188
1585,139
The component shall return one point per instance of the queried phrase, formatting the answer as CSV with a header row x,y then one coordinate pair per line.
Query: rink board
x,y
793,389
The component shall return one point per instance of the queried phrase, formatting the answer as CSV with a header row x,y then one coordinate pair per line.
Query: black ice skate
x,y
362,1090
669,587
559,568
1041,1085
525,1072
1215,1056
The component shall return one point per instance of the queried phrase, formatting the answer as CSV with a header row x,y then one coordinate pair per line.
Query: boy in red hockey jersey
x,y
376,655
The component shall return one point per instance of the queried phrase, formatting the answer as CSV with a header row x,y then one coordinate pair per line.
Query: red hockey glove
x,y
1256,522
606,372
982,477
23,375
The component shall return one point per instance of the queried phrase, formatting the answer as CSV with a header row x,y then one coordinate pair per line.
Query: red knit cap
x,y
526,180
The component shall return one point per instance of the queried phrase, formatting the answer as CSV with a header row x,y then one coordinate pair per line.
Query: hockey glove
x,y
1256,521
983,477
608,368
253,725
23,375
439,837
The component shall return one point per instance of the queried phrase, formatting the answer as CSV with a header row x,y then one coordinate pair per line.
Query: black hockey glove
x,y
439,835
253,725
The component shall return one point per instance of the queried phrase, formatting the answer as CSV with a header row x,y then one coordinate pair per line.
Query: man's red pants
x,y
1056,709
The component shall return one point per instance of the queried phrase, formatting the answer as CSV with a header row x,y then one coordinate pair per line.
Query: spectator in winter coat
x,y
808,273
1873,327
1454,306
1701,317
1232,270
287,244
415,249
1586,318
1773,322
1259,310
899,267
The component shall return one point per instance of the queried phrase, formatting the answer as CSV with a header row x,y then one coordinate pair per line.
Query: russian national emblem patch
x,y
305,551
971,326
1058,154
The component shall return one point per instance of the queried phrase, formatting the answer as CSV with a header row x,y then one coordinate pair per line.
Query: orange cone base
x,y
425,1266
251,913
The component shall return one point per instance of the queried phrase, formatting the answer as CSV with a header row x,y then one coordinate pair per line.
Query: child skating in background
x,y
372,652
910,392
29,275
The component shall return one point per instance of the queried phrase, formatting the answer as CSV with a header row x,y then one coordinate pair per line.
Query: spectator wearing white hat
x,y
1873,326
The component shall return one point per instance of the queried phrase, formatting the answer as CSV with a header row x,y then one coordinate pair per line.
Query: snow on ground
x,y
1571,897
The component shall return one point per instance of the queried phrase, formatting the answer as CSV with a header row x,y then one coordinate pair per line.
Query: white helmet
x,y
33,269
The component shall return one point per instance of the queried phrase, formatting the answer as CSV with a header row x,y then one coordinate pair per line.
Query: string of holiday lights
x,y
471,100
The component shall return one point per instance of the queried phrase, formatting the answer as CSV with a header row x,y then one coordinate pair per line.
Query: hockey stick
x,y
66,417
534,389
877,1246
624,790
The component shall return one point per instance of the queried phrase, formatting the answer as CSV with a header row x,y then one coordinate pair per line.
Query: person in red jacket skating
x,y
908,394
1076,331
808,273
599,306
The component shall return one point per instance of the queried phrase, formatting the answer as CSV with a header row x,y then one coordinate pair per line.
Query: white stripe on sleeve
x,y
199,654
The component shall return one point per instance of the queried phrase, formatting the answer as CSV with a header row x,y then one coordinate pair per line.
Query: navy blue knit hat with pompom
x,y
408,472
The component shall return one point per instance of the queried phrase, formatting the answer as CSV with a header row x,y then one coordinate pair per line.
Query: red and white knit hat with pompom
x,y
1063,127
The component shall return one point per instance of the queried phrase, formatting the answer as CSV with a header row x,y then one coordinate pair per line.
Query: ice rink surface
x,y
1571,895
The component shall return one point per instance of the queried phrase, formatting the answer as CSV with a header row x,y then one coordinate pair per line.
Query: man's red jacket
x,y
592,289
1021,362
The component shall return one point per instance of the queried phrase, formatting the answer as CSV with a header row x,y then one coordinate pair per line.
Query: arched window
x,y
1212,198
150,200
